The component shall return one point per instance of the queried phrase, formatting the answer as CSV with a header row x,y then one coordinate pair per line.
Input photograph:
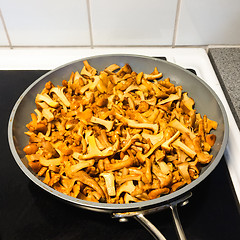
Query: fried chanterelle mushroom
x,y
117,136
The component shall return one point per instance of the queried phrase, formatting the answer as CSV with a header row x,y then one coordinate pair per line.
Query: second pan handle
x,y
140,217
155,232
150,227
177,222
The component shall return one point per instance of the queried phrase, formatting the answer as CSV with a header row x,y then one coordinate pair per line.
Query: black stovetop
x,y
28,212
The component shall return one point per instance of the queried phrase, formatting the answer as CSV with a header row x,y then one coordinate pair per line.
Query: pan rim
x,y
117,207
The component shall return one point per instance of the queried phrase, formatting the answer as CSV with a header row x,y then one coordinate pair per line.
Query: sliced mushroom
x,y
125,163
153,138
110,183
183,169
166,145
172,97
94,152
86,179
112,68
203,157
60,94
158,192
127,187
182,128
152,76
129,198
107,124
135,124
89,68
131,140
79,166
46,112
184,148
46,162
165,179
209,124
47,99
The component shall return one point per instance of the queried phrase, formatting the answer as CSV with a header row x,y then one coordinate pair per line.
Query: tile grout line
x,y
89,23
5,29
115,46
176,23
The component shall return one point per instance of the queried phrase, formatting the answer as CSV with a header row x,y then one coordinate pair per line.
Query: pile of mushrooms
x,y
117,136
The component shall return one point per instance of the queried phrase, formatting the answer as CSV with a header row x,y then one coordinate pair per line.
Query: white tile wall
x,y
120,22
46,23
204,22
133,22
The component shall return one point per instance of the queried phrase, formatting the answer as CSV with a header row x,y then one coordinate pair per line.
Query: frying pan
x,y
206,102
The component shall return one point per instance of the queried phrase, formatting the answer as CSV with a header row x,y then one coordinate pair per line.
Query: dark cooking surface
x,y
28,212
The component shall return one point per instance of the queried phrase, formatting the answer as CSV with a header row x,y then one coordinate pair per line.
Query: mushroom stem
x,y
86,179
109,180
105,123
184,148
135,124
60,94
127,162
182,128
166,144
47,99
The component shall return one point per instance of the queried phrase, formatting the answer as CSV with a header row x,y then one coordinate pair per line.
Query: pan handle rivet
x,y
123,219
184,203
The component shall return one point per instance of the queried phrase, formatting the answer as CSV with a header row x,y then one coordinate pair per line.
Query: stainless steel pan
x,y
207,102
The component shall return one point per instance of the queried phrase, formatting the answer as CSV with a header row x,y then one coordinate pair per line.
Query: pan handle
x,y
139,216
155,232
177,222
149,226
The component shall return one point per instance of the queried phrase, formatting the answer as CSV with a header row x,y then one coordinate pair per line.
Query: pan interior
x,y
206,102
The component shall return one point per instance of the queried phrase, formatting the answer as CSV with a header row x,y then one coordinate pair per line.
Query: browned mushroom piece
x,y
30,148
177,185
165,179
152,76
88,180
107,124
209,124
126,187
61,95
79,166
94,152
183,170
112,68
210,139
172,97
89,68
125,163
158,192
110,183
203,156
182,128
178,144
135,124
130,177
47,99
166,145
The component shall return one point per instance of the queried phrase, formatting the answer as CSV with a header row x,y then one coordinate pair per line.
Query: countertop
x,y
226,63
